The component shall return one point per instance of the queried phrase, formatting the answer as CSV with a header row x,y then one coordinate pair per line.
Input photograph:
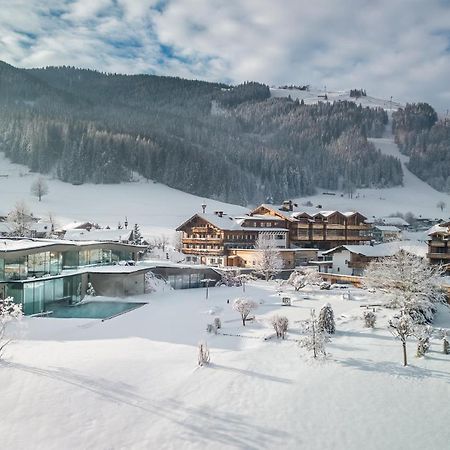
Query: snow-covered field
x,y
154,206
133,382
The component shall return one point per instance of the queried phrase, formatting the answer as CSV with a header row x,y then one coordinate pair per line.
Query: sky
x,y
398,48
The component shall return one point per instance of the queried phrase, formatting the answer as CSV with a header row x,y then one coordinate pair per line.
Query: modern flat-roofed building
x,y
38,272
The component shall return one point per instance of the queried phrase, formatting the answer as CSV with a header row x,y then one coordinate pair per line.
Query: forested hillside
x,y
424,138
231,143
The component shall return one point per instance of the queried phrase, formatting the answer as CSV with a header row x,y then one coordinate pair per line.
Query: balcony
x,y
197,240
439,255
204,251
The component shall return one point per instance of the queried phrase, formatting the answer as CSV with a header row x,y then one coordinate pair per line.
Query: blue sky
x,y
389,47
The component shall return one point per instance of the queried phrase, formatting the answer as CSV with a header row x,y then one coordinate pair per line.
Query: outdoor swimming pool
x,y
91,310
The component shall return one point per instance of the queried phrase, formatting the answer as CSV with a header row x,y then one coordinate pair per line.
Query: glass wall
x,y
16,268
37,296
70,260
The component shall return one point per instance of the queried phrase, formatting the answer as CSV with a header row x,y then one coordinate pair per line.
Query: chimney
x,y
203,207
218,213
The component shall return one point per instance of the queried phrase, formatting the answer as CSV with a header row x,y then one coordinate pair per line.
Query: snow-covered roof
x,y
398,221
387,228
438,229
382,250
98,235
10,245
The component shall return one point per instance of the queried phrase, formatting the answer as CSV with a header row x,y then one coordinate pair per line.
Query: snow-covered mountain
x,y
315,95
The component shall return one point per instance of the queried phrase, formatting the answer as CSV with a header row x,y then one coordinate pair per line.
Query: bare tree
x,y
402,328
178,241
303,277
39,188
203,354
268,259
20,218
441,205
280,325
244,307
9,312
161,242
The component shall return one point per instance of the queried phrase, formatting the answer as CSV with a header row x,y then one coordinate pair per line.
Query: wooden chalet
x,y
438,245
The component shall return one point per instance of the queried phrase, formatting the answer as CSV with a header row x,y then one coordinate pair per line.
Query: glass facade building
x,y
39,278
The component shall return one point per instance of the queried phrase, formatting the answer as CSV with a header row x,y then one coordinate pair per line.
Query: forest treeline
x,y
426,140
233,143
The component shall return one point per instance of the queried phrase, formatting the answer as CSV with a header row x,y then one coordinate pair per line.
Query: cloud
x,y
389,47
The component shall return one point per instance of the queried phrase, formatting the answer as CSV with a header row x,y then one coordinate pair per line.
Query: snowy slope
x,y
133,382
317,95
414,196
156,207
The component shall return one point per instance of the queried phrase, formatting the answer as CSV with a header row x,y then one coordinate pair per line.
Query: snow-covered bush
x,y
413,284
280,325
302,277
217,323
244,307
402,328
152,283
326,319
423,335
325,286
203,354
314,339
9,312
90,289
370,319
445,346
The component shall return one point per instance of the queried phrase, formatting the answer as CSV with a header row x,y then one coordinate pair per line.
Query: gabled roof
x,y
387,228
98,235
383,250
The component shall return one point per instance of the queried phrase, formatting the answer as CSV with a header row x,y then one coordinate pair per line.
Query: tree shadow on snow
x,y
395,369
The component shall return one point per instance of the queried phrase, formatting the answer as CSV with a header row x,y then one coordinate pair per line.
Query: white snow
x,y
133,381
414,196
157,208
315,95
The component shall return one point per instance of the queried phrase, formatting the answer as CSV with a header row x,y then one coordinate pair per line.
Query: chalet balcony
x,y
437,244
204,251
439,255
359,227
335,226
335,237
196,240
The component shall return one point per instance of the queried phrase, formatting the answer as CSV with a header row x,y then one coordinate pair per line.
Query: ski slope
x,y
317,95
414,196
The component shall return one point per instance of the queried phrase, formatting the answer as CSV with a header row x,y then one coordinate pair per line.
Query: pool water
x,y
91,310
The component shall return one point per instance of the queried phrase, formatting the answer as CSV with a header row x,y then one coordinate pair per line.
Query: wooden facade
x,y
324,229
438,246
210,238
